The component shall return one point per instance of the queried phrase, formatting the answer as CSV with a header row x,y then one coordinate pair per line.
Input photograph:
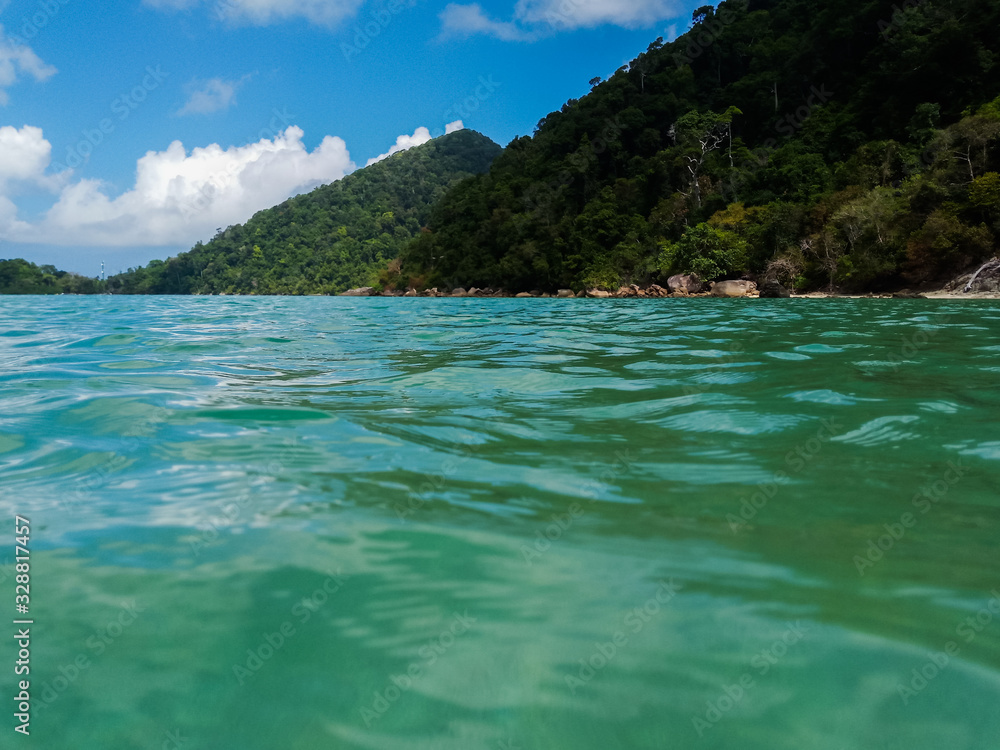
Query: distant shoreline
x,y
635,292
944,295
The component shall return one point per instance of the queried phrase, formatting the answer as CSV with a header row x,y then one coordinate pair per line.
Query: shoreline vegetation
x,y
851,148
47,281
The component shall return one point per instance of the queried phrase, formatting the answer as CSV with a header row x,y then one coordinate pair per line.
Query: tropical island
x,y
852,147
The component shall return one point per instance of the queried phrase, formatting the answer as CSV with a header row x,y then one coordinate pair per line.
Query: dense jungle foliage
x,y
21,277
336,237
850,143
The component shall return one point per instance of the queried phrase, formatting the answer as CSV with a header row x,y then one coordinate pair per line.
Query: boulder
x,y
581,293
598,293
460,292
687,283
410,293
431,292
907,294
363,291
522,295
655,290
774,289
536,292
738,288
564,293
632,290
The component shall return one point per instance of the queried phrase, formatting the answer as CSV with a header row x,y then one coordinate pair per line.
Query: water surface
x,y
586,524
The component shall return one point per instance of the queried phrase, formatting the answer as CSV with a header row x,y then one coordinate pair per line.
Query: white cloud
x,y
212,95
266,12
573,14
26,154
9,222
534,19
16,59
420,136
468,20
178,197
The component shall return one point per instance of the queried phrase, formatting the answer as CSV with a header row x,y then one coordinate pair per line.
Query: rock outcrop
x,y
773,289
686,283
986,278
363,291
740,288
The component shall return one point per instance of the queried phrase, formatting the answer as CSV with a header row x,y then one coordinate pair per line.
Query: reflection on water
x,y
416,524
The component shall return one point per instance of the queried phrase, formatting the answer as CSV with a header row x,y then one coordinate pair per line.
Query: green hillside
x,y
18,276
848,143
338,236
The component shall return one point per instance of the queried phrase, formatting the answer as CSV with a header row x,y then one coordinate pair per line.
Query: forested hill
x,y
338,236
18,276
846,143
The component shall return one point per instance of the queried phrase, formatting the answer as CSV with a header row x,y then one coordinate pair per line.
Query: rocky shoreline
x,y
733,289
980,283
741,289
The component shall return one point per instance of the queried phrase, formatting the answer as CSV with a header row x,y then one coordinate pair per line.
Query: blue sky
x,y
131,129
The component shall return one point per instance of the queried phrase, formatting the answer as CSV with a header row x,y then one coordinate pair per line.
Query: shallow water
x,y
577,523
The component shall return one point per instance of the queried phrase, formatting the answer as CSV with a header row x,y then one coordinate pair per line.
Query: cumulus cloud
x,y
534,19
17,59
266,12
212,95
420,136
26,155
9,222
178,197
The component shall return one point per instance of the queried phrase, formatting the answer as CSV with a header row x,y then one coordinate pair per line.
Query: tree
x,y
706,251
699,135
984,191
943,243
970,142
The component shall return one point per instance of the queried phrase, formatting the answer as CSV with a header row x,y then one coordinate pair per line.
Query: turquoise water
x,y
536,524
